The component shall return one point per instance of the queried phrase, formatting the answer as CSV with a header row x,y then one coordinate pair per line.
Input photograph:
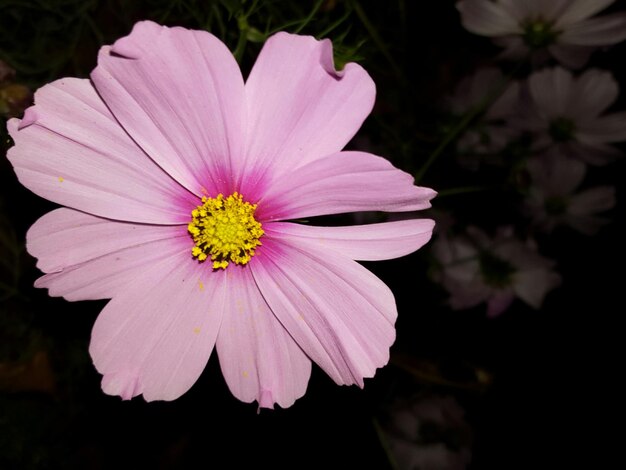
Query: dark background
x,y
540,389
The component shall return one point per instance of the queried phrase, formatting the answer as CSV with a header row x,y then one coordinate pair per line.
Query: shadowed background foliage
x,y
535,386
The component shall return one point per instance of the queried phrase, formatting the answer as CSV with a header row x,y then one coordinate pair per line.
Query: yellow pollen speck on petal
x,y
61,179
200,285
224,230
245,374
196,330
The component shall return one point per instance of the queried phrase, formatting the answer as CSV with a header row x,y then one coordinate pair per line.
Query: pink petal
x,y
533,285
556,174
65,237
104,277
371,242
499,303
299,108
487,18
572,57
549,11
259,360
343,182
71,150
179,94
609,128
91,258
551,90
520,11
586,224
514,48
602,31
464,269
124,384
338,312
578,10
592,200
531,9
156,337
594,153
465,295
457,252
595,90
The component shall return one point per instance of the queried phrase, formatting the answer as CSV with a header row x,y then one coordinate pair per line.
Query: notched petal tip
x,y
127,47
123,384
266,400
428,193
30,117
327,60
121,52
424,195
124,49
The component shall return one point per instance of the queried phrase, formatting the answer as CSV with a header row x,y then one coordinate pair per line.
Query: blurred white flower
x,y
566,114
552,198
563,29
428,432
489,133
475,268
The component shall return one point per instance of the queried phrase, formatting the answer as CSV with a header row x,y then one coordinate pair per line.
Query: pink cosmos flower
x,y
475,268
553,198
180,181
563,29
566,114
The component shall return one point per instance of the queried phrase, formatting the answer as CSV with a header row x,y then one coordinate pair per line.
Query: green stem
x,y
324,33
464,190
449,138
373,32
467,119
308,19
241,44
242,22
384,444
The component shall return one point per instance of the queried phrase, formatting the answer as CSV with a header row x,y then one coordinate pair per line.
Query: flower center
x,y
225,230
555,205
538,33
495,271
562,129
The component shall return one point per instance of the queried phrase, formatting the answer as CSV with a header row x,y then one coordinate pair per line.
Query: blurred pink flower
x,y
180,181
428,432
489,133
566,114
475,268
552,198
563,29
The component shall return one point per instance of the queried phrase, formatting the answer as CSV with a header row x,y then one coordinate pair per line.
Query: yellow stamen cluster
x,y
225,230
